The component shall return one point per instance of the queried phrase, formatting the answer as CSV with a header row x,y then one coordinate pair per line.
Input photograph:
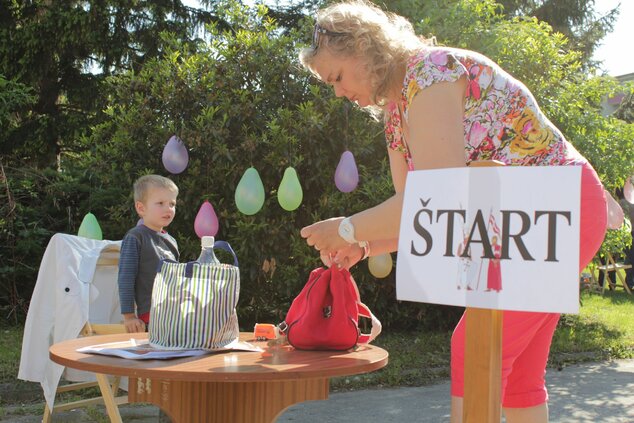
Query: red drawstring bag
x,y
325,314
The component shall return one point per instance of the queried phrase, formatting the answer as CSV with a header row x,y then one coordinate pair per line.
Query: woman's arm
x,y
436,140
351,255
398,169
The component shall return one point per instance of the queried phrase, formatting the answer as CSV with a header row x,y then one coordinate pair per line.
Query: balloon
x,y
380,266
89,227
250,192
290,194
175,155
206,223
346,175
615,212
628,191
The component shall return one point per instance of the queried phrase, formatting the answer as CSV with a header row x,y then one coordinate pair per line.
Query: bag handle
x,y
364,310
189,266
224,245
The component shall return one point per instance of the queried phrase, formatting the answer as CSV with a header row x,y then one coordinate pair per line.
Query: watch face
x,y
346,230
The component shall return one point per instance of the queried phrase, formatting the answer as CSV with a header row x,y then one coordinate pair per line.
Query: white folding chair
x,y
76,294
109,386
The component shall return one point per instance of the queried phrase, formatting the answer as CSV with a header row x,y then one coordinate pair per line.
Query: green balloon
x,y
89,227
250,192
290,194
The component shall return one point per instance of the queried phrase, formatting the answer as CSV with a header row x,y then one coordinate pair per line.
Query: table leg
x,y
108,398
237,402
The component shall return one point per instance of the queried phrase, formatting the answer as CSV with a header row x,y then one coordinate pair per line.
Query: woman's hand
x,y
344,258
324,236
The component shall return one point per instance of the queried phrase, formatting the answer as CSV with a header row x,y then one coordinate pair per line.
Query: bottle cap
x,y
207,241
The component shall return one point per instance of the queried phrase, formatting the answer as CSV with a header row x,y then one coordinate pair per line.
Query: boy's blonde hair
x,y
144,183
382,40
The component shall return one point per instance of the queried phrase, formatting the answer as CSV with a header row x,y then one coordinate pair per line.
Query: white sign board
x,y
502,238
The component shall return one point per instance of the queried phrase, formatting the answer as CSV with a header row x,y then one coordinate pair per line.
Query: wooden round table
x,y
236,386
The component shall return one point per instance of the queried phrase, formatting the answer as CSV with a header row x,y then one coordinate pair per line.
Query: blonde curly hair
x,y
359,28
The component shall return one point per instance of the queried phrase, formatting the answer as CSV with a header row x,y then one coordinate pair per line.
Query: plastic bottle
x,y
207,255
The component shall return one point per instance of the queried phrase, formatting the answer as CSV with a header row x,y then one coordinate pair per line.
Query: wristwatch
x,y
346,231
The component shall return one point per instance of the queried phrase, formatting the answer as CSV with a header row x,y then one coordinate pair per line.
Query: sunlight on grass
x,y
603,329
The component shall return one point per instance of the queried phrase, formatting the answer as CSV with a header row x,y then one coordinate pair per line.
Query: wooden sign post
x,y
483,366
483,360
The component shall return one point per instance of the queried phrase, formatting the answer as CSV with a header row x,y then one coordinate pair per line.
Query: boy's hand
x,y
133,324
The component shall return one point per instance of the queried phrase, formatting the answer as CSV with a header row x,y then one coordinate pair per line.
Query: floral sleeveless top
x,y
502,120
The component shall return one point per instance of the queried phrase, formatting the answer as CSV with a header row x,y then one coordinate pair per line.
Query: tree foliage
x,y
625,112
54,47
578,20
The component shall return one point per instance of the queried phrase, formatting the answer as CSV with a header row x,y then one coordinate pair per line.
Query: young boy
x,y
144,246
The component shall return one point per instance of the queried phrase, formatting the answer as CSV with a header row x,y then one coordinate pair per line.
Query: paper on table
x,y
140,349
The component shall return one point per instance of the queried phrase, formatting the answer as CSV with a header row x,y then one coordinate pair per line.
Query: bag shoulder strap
x,y
364,310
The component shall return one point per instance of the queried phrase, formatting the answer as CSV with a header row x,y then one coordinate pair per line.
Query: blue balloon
x,y
346,175
175,155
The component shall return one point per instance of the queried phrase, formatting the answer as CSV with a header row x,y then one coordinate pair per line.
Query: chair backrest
x,y
109,257
91,329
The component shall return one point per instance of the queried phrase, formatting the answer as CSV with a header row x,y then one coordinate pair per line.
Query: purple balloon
x,y
175,155
346,175
206,222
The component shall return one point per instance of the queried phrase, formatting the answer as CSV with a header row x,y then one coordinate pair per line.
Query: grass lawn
x,y
10,349
603,330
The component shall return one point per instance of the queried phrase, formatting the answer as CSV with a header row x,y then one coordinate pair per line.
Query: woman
x,y
444,108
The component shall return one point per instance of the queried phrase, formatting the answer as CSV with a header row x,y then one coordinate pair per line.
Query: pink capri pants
x,y
526,336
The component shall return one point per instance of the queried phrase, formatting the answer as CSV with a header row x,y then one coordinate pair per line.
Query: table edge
x,y
111,368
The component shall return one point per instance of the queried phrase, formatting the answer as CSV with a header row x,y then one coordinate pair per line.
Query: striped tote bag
x,y
194,305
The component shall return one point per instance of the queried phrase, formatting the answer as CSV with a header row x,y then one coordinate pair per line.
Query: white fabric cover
x,y
70,290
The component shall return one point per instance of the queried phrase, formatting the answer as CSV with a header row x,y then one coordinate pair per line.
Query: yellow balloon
x,y
290,193
380,266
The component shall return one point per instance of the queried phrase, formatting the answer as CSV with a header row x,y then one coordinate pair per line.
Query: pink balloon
x,y
206,223
615,212
175,155
346,175
628,191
